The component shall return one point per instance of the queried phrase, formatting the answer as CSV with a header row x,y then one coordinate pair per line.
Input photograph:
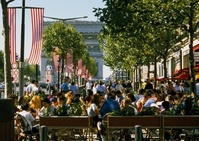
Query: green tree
x,y
62,39
29,71
188,10
7,64
149,26
92,67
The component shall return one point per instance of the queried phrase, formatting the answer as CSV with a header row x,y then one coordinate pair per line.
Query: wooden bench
x,y
190,122
152,122
129,122
68,122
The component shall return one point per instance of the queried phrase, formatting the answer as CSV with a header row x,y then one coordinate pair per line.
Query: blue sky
x,y
52,8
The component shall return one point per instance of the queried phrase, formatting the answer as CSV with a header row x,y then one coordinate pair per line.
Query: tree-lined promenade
x,y
145,32
135,33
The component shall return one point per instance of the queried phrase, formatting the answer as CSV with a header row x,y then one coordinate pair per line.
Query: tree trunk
x,y
191,56
165,67
62,67
155,71
140,76
149,70
7,64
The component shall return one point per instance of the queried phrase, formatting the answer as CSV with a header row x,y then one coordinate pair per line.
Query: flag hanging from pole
x,y
12,33
79,72
37,29
56,59
83,72
69,63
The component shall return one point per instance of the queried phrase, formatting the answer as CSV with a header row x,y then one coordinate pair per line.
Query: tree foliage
x,y
63,39
148,27
29,71
7,64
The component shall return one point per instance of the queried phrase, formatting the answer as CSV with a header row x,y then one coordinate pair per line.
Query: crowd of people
x,y
168,98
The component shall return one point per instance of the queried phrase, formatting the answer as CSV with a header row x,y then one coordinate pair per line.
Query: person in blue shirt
x,y
109,105
64,86
74,88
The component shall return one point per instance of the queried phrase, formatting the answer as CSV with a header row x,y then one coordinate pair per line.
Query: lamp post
x,y
21,61
58,74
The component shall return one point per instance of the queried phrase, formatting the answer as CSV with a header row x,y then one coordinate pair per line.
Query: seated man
x,y
28,119
108,106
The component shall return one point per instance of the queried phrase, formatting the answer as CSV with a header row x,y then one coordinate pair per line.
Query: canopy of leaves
x,y
30,70
136,30
64,38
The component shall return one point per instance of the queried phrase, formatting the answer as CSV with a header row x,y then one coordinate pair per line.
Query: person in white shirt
x,y
29,88
94,88
119,86
101,89
178,87
29,118
47,109
93,109
88,86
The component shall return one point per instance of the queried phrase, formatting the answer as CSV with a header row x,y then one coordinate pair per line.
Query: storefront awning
x,y
183,74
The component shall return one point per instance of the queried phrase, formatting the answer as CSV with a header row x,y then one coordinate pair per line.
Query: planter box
x,y
132,121
129,122
69,122
73,122
181,121
156,122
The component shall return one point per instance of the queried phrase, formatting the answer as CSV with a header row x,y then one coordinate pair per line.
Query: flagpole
x,y
21,61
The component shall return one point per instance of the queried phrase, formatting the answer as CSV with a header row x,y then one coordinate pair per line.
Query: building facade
x,y
179,60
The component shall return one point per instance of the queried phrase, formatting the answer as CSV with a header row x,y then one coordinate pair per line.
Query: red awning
x,y
183,76
178,72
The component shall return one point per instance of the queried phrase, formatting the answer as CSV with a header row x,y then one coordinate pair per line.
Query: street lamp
x,y
67,19
21,61
58,74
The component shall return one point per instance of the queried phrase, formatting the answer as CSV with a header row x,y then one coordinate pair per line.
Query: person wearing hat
x,y
47,109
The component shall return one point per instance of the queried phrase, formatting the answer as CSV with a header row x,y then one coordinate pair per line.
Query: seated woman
x,y
126,104
47,109
93,109
61,109
35,104
69,97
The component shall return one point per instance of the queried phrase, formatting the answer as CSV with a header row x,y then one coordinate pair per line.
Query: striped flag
x,y
12,33
37,29
89,76
55,60
83,72
79,71
69,63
